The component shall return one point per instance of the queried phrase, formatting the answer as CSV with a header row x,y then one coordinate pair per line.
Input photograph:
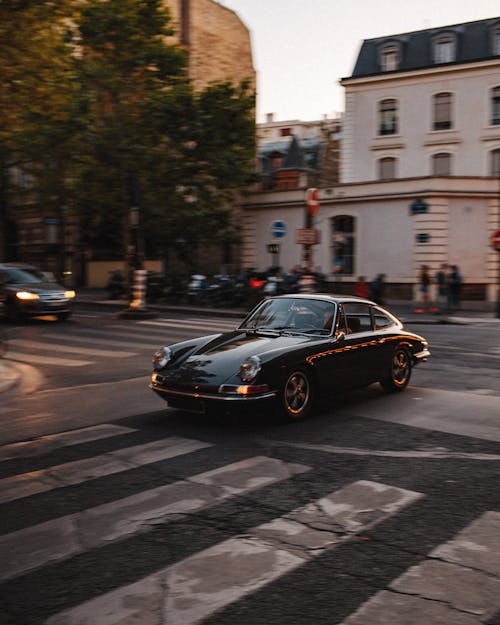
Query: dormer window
x,y
389,57
495,48
444,48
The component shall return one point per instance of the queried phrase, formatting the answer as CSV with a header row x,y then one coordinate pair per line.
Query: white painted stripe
x,y
85,351
125,342
193,589
36,359
459,583
50,442
61,538
79,471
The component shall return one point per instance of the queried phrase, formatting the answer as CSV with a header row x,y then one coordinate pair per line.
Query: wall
x,y
470,141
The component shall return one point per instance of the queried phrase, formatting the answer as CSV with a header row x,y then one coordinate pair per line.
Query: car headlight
x,y
249,368
162,357
69,294
25,295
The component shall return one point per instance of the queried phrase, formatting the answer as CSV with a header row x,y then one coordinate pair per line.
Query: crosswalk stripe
x,y
66,536
187,592
458,583
51,442
37,359
79,471
102,341
86,351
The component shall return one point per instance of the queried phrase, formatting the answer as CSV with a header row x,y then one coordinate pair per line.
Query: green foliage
x,y
95,96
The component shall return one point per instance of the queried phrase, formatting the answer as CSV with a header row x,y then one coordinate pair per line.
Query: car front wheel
x,y
400,371
297,395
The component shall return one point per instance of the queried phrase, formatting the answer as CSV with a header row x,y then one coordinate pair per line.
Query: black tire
x,y
297,395
399,370
13,314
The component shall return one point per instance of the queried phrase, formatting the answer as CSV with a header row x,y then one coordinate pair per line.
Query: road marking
x,y
192,589
79,471
101,341
37,359
85,351
432,454
64,537
51,442
458,583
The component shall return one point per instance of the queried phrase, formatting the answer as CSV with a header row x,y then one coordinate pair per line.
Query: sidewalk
x,y
9,375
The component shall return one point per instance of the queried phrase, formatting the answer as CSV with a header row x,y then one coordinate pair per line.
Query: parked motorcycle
x,y
116,286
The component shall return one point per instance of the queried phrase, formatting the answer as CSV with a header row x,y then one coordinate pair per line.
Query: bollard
x,y
137,308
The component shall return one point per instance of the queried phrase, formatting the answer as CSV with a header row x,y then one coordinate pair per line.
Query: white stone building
x,y
419,168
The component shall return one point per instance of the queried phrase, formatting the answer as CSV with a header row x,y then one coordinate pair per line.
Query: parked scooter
x,y
116,286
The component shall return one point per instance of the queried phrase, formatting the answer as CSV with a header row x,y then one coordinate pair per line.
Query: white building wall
x,y
470,140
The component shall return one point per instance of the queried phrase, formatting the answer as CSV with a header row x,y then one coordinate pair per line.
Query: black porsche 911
x,y
289,350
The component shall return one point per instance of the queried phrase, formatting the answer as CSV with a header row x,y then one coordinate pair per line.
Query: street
x,y
115,509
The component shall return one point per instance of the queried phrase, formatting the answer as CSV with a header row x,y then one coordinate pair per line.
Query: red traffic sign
x,y
495,240
312,201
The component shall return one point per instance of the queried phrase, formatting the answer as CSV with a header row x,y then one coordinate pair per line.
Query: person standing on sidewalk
x,y
455,281
424,290
441,279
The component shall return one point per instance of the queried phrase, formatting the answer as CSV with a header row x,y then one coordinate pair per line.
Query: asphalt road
x,y
378,509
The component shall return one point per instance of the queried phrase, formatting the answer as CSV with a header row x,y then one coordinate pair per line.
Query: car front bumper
x,y
200,401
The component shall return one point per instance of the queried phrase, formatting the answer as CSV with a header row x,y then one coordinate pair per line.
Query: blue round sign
x,y
278,229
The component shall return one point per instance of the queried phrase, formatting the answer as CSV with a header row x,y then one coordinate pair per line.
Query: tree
x,y
126,65
36,82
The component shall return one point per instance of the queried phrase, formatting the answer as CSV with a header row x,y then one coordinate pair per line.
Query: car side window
x,y
381,320
358,318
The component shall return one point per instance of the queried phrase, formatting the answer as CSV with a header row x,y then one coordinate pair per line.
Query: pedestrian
x,y
424,281
377,288
441,279
455,281
361,287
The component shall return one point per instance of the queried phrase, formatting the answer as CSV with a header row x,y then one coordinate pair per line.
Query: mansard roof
x,y
473,42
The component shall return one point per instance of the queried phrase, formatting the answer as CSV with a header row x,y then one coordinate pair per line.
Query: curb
x,y
9,376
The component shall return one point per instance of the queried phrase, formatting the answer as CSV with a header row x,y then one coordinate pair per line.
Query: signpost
x,y
278,229
308,236
495,240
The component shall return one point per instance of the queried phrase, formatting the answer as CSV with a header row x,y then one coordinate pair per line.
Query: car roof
x,y
328,297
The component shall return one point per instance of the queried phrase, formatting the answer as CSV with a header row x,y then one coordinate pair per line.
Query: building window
x,y
495,162
441,164
389,58
286,132
442,111
387,168
343,245
388,117
495,107
496,40
444,49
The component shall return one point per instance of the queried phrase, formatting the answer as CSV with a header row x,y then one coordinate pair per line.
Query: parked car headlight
x,y
162,358
25,295
249,368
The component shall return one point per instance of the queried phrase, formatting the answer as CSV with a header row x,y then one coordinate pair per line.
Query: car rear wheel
x,y
400,371
297,395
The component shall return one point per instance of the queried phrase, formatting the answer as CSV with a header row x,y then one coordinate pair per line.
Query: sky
x,y
302,48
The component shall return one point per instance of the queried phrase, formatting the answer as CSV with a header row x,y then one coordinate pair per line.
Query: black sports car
x,y
288,350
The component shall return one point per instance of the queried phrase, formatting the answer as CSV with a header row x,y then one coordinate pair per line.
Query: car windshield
x,y
288,314
24,275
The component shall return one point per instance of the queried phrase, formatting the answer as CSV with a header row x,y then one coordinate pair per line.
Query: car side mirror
x,y
340,336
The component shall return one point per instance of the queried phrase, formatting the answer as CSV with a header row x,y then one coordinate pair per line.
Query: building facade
x,y
419,166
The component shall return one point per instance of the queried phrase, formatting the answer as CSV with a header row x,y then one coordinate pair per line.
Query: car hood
x,y
37,287
220,358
